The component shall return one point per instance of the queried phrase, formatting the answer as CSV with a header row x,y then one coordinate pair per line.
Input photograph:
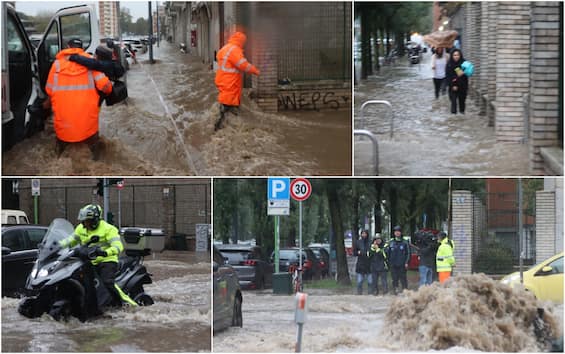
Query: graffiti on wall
x,y
311,101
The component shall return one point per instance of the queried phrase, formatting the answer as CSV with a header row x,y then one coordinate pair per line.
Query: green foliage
x,y
494,258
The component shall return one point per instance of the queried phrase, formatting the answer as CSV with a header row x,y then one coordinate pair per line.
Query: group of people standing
x,y
448,74
376,258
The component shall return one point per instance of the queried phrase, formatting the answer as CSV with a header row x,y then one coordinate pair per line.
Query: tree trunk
x,y
378,215
393,206
377,63
366,60
337,226
355,225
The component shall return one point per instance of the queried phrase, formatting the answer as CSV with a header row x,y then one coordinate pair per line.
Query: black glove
x,y
95,252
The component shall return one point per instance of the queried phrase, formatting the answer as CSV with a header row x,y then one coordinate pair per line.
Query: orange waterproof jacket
x,y
74,99
231,66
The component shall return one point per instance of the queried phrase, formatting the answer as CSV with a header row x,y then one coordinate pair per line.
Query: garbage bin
x,y
282,283
179,242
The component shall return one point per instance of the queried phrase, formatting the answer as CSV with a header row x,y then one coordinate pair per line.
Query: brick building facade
x,y
302,49
516,49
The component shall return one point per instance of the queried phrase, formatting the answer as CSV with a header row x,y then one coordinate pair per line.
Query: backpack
x,y
119,93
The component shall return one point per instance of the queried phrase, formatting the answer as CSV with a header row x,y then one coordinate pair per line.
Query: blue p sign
x,y
278,188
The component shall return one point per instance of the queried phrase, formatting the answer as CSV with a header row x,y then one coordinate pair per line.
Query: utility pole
x,y
520,230
151,61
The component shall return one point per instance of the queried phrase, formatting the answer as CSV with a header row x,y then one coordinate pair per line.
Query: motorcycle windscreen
x,y
59,230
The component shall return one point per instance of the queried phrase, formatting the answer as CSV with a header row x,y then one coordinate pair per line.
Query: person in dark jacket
x,y
398,255
363,267
427,256
379,267
457,81
103,62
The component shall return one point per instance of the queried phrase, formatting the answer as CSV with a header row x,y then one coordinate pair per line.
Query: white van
x,y
14,217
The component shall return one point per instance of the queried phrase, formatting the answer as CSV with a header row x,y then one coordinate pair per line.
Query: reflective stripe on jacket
x,y
74,96
109,240
231,66
444,257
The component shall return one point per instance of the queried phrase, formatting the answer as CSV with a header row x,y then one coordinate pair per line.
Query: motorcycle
x,y
64,283
414,56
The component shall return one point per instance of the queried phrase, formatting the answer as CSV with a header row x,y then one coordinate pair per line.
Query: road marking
x,y
188,157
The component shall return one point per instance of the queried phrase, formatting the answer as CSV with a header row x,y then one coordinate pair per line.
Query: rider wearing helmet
x,y
108,247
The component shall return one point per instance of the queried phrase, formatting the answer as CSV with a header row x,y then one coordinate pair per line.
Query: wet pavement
x,y
428,139
179,321
167,128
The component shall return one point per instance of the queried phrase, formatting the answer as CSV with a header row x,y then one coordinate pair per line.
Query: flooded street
x,y
472,314
428,139
179,321
167,128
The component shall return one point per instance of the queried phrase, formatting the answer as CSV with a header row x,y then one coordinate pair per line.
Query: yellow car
x,y
544,280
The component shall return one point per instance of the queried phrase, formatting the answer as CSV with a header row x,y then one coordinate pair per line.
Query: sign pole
x,y
35,211
119,208
277,239
300,241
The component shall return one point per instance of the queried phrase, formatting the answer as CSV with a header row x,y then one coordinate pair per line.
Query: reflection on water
x,y
428,139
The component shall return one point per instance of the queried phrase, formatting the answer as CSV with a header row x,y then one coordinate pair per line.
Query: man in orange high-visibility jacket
x,y
72,89
229,76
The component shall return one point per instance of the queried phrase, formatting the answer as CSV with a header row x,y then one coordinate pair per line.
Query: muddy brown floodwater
x,y
428,139
167,128
471,314
179,321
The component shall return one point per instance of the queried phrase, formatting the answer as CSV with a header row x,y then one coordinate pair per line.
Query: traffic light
x,y
100,187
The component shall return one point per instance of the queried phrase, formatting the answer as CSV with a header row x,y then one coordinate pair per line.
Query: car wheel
x,y
237,316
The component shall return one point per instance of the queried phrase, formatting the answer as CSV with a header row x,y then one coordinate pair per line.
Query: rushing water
x,y
167,128
462,316
179,321
428,139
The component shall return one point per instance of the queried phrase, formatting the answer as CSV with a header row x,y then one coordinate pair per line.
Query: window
x,y
557,266
76,26
15,41
12,220
51,43
13,240
23,220
35,237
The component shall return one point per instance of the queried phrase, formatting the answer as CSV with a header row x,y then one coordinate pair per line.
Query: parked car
x,y
544,280
253,271
19,252
14,217
324,257
290,257
25,69
227,294
136,45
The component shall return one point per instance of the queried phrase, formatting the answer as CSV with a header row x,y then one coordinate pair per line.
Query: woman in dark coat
x,y
457,81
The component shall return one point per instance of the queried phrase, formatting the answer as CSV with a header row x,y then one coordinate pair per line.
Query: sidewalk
x,y
428,139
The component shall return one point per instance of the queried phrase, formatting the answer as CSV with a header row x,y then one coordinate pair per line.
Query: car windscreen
x,y
235,256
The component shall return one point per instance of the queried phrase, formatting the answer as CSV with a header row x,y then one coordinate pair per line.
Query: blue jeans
x,y
360,279
425,275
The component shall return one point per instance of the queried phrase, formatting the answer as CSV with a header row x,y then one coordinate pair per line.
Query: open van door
x,y
70,22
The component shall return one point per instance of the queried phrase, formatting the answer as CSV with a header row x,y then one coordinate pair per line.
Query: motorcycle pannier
x,y
140,239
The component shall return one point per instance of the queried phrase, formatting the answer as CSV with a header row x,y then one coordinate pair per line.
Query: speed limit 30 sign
x,y
300,189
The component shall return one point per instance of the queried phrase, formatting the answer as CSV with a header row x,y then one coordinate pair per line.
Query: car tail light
x,y
249,262
322,264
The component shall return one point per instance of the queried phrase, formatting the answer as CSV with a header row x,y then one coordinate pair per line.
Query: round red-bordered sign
x,y
300,189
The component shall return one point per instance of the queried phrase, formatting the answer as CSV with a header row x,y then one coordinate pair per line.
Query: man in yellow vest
x,y
108,247
445,261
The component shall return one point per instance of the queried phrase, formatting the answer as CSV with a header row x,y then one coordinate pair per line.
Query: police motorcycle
x,y
64,283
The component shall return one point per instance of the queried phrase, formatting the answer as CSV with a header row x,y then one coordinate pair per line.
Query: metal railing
x,y
377,102
370,135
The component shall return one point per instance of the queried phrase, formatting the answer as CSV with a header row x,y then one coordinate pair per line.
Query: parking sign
x,y
278,196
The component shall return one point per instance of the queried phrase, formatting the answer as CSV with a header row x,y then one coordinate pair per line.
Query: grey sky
x,y
137,8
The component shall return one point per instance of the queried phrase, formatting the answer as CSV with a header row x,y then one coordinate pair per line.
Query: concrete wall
x,y
462,230
549,221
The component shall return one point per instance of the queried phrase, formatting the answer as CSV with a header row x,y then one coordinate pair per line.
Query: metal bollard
x,y
377,102
370,135
300,318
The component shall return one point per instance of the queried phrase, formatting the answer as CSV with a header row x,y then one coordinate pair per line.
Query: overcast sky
x,y
137,8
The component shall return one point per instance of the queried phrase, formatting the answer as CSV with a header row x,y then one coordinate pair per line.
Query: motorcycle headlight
x,y
34,272
43,272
